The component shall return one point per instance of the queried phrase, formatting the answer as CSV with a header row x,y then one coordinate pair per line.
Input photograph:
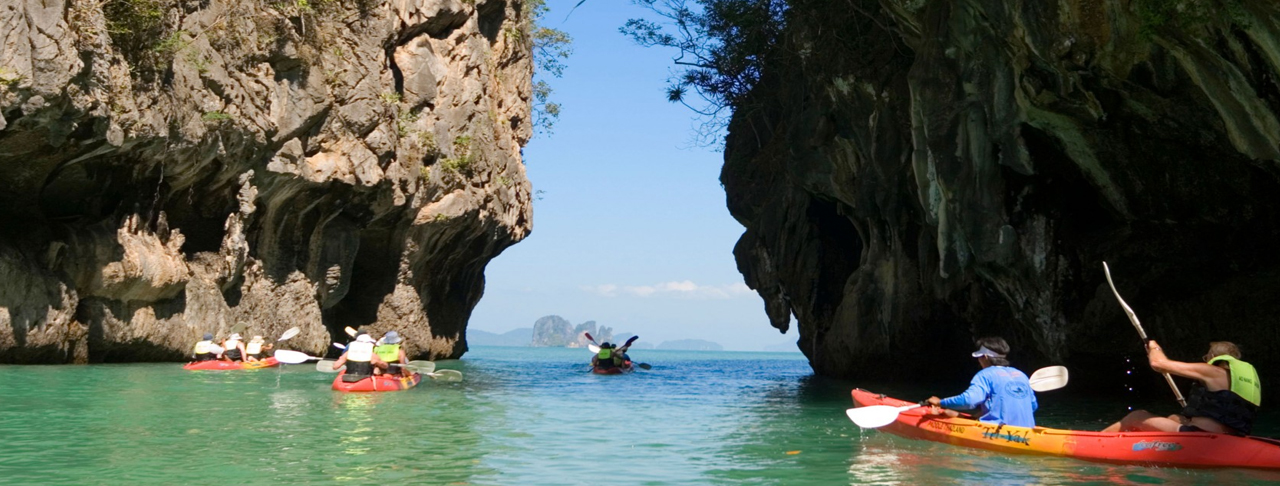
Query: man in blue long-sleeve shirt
x,y
1001,394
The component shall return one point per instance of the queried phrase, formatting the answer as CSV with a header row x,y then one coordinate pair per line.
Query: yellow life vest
x,y
254,347
1244,379
204,347
388,352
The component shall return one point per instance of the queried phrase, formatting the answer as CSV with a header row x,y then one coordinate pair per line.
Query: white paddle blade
x,y
875,416
421,366
1050,378
326,366
340,346
593,348
293,331
350,332
292,357
446,375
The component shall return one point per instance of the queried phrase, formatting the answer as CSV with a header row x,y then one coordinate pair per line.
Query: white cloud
x,y
681,289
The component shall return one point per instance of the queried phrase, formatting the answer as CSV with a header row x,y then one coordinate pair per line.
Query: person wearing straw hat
x,y
389,350
234,346
1001,394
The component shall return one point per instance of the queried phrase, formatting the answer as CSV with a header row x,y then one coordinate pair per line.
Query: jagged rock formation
x,y
556,331
913,174
172,167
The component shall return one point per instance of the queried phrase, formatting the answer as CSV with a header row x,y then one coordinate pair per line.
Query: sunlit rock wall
x,y
170,168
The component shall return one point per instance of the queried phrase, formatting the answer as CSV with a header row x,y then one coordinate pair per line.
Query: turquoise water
x,y
522,416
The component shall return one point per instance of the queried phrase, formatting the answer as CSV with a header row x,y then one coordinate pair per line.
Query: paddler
x,y
253,350
607,357
1224,400
234,346
359,359
1000,393
622,352
388,349
205,350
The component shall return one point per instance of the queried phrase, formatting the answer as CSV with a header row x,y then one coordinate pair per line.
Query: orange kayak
x,y
380,383
218,364
1184,449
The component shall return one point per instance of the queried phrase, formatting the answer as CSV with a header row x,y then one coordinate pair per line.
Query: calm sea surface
x,y
522,416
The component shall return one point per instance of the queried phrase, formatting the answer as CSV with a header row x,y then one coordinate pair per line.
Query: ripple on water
x,y
521,417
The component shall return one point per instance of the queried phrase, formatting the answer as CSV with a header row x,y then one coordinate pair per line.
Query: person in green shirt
x,y
1225,400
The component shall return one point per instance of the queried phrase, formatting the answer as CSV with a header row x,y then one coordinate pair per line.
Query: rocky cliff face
x,y
914,174
175,167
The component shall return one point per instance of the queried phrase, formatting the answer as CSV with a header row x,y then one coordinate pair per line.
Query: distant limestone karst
x,y
556,331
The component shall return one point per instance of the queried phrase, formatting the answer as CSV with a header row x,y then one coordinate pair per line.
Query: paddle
x,y
293,331
293,357
1050,378
876,416
326,366
446,375
1141,333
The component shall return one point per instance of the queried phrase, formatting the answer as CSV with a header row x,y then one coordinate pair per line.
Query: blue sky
x,y
631,228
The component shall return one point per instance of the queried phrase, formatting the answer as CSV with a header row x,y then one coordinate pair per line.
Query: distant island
x,y
691,345
782,348
550,331
516,337
555,331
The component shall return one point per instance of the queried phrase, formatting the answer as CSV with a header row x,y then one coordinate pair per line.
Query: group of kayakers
x,y
611,356
233,348
365,357
1225,399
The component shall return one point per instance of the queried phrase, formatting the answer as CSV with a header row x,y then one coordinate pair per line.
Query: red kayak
x,y
619,370
218,364
380,383
1179,449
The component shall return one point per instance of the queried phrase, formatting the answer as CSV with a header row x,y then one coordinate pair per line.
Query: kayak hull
x,y
1185,449
621,370
231,365
380,383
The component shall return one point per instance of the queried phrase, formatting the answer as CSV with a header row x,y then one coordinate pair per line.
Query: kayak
x,y
218,364
1178,449
620,370
380,383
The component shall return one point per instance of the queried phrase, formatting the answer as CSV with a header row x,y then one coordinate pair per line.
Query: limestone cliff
x,y
175,167
913,174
